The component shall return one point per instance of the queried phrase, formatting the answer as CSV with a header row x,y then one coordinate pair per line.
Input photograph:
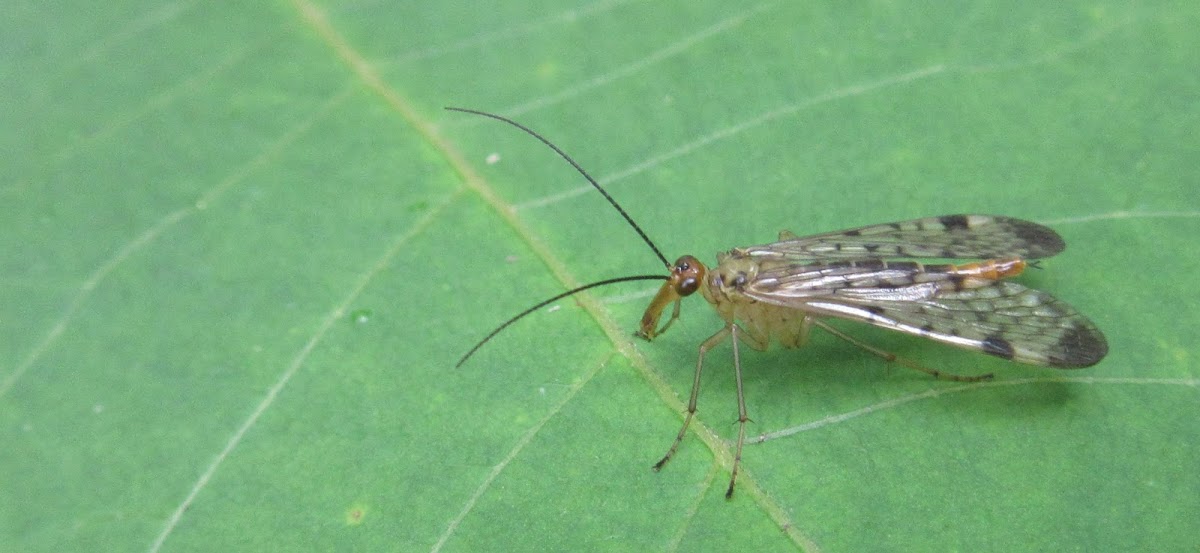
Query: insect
x,y
873,275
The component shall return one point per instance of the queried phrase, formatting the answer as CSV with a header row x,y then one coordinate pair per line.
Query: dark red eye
x,y
686,275
687,286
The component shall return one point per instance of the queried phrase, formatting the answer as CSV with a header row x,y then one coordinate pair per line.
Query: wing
x,y
1000,318
948,236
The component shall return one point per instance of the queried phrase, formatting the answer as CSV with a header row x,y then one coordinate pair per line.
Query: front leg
x,y
751,336
737,333
742,418
706,345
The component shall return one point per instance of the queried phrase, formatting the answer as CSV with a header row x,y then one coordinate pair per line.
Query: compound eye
x,y
687,286
686,275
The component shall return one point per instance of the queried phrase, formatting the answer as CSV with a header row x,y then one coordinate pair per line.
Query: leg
x,y
891,357
674,315
708,344
742,418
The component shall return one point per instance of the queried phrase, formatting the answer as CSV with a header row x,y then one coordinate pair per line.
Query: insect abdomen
x,y
983,273
826,277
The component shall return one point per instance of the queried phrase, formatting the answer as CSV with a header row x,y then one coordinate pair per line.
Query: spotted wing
x,y
948,236
1000,317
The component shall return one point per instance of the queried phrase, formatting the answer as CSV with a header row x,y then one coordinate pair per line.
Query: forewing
x,y
1001,318
948,236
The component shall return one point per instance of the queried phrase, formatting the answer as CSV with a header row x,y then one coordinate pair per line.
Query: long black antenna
x,y
548,302
610,199
585,174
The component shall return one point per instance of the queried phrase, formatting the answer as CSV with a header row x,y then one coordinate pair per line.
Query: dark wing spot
x,y
871,247
1081,346
875,310
957,280
998,346
1041,241
895,226
928,328
954,222
854,232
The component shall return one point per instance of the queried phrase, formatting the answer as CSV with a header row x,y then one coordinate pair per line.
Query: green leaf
x,y
245,247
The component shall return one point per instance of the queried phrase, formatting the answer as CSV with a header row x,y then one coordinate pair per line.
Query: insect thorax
x,y
759,320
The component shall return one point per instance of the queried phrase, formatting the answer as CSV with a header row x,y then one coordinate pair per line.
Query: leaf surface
x,y
245,247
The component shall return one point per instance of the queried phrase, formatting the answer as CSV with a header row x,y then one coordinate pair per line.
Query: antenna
x,y
574,291
585,174
546,302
